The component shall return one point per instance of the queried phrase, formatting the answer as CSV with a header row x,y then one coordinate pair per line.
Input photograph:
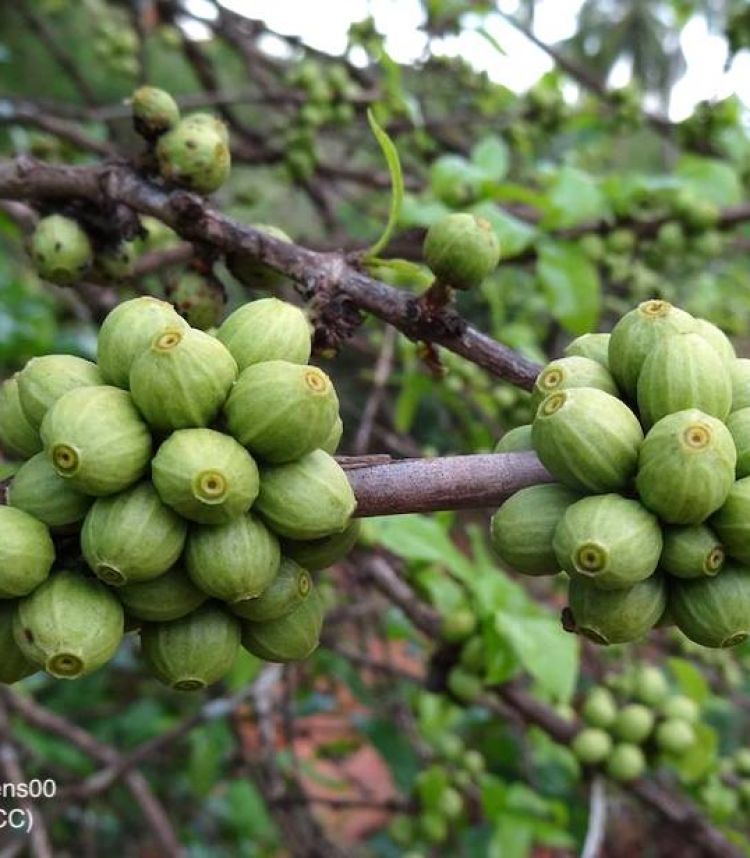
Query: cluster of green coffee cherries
x,y
183,485
440,801
632,722
646,432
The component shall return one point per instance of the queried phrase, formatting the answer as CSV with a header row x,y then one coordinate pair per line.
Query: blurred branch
x,y
382,374
29,113
327,276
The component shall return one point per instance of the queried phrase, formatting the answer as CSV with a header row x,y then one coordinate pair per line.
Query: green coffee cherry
x,y
465,686
117,262
26,552
205,476
739,370
682,707
39,490
691,552
599,708
132,536
318,554
717,339
70,625
713,612
474,763
208,120
293,637
683,371
14,665
568,372
732,521
591,346
18,437
523,529
612,541
182,380
333,439
401,830
616,616
95,438
307,499
650,686
675,736
433,827
626,762
267,330
168,597
458,625
738,424
516,440
193,652
45,379
234,561
686,467
154,111
198,298
127,331
61,250
461,250
281,411
634,723
636,334
742,761
587,439
194,155
592,746
255,274
290,587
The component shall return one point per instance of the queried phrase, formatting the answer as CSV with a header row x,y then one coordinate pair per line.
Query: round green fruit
x,y
461,250
434,827
599,708
198,298
683,371
732,522
612,541
129,330
70,625
267,330
26,552
650,686
472,654
40,491
281,411
568,372
132,536
517,440
464,686
18,437
61,250
154,111
474,763
251,272
692,551
208,120
587,439
168,597
450,803
45,379
616,616
675,736
234,561
523,529
457,625
591,346
194,155
682,707
293,637
742,761
291,586
717,339
686,467
634,723
182,379
401,830
333,440
739,370
455,181
636,334
307,499
626,762
205,476
95,438
738,424
591,746
193,652
116,262
713,612
14,665
317,554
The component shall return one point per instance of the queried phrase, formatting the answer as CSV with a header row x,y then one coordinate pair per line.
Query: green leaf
x,y
571,283
691,681
548,653
710,179
491,155
397,184
492,40
399,272
515,235
574,197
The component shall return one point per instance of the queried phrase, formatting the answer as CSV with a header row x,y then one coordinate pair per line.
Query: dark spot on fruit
x,y
58,246
191,144
29,635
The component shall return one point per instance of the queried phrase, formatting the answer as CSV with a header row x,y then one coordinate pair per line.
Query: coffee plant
x,y
374,437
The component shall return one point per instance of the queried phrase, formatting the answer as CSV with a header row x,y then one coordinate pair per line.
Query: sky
x,y
324,24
